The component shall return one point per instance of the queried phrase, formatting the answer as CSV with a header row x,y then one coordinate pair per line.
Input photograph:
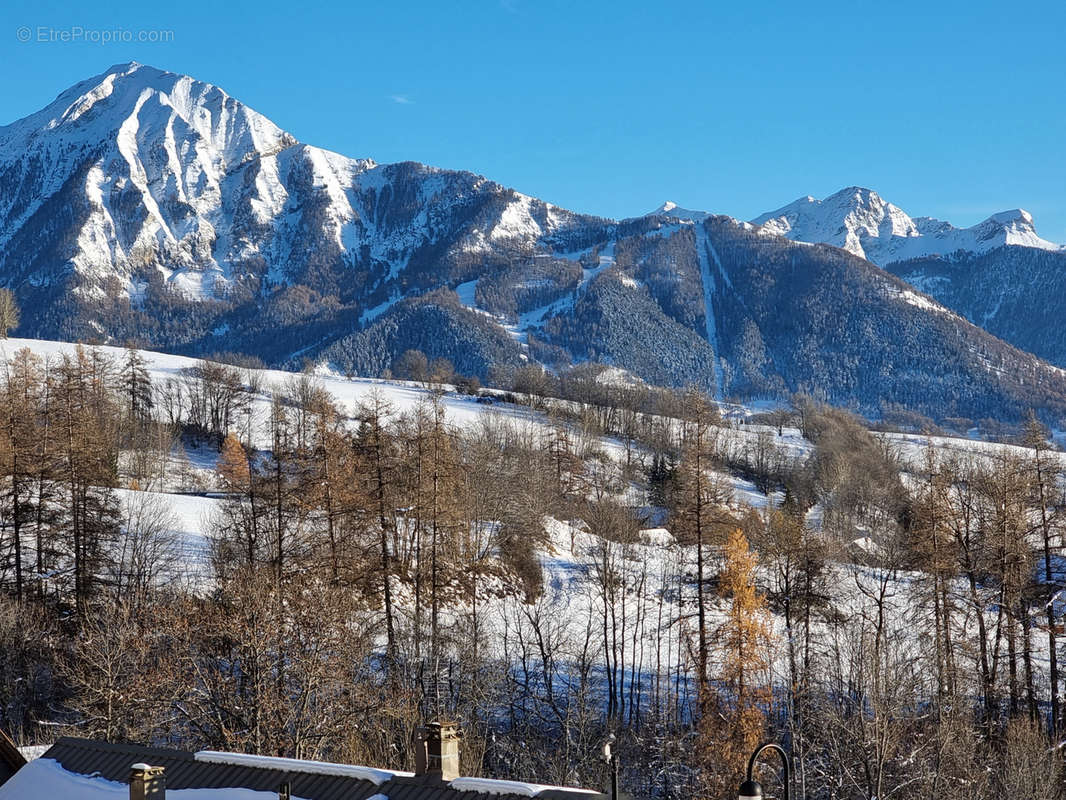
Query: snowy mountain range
x,y
861,222
999,274
146,205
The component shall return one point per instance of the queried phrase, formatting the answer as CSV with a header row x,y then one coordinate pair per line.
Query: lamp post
x,y
612,760
751,789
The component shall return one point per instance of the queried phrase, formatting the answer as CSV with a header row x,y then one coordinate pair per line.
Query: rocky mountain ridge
x,y
861,222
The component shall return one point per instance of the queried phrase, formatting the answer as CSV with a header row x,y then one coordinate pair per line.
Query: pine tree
x,y
376,448
328,478
1046,475
89,455
931,545
137,387
20,396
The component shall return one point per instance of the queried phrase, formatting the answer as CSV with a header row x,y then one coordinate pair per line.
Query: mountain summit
x,y
149,191
149,167
671,209
863,223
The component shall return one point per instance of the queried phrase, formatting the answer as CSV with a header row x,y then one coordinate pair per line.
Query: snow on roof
x,y
375,776
45,777
84,769
490,786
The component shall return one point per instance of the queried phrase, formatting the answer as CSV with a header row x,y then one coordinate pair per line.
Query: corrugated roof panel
x,y
183,771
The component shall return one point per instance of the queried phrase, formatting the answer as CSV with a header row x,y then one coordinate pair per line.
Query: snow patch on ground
x,y
703,248
922,302
372,314
466,292
657,536
516,221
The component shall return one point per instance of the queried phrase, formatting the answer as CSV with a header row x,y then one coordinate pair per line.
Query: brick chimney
x,y
147,783
438,754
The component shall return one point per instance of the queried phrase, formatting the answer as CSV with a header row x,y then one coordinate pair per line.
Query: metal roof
x,y
184,771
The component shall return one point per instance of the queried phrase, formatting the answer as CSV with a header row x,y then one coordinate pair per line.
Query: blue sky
x,y
954,110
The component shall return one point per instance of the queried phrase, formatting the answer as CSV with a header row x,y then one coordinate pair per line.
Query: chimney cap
x,y
142,767
442,728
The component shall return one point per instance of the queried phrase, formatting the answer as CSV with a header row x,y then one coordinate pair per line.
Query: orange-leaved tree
x,y
233,465
735,721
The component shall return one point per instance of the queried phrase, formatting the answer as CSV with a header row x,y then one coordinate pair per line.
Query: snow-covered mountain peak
x,y
849,218
1014,215
161,169
134,95
673,210
164,186
862,222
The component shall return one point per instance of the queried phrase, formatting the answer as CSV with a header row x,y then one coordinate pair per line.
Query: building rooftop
x,y
83,768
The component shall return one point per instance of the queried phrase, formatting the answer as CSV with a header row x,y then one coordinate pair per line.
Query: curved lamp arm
x,y
751,789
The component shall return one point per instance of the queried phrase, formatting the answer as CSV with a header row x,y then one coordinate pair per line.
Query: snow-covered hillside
x,y
606,600
863,223
192,513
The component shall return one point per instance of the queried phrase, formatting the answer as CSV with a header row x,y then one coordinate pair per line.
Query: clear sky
x,y
949,109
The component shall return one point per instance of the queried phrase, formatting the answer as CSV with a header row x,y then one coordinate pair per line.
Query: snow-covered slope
x,y
191,512
651,567
863,223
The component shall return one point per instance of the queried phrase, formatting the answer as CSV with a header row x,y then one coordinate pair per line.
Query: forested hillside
x,y
1012,292
208,554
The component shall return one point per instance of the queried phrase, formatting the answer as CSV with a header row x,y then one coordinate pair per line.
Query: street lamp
x,y
611,758
751,789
